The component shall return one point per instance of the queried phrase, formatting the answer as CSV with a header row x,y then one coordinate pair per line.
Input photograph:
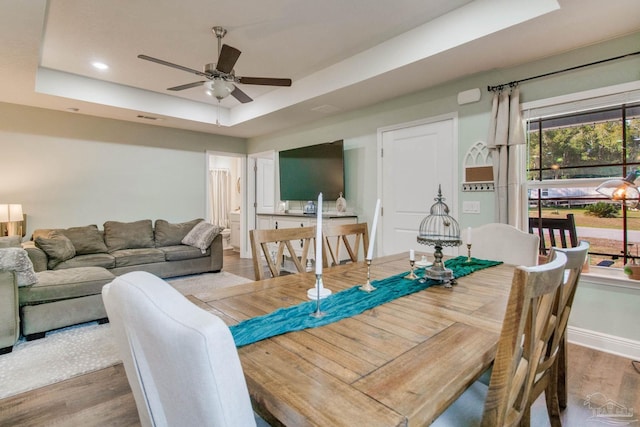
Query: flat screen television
x,y
307,171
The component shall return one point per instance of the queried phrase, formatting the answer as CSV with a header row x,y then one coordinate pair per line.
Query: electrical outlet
x,y
471,207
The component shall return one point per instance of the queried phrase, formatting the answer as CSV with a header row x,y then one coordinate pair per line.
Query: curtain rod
x,y
516,82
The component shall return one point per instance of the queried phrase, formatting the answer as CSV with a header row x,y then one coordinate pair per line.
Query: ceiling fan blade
x,y
268,81
186,86
240,95
172,65
228,57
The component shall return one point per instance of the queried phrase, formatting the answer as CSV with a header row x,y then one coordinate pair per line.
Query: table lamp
x,y
11,214
624,190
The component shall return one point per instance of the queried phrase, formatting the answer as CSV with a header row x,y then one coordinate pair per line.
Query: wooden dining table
x,y
399,364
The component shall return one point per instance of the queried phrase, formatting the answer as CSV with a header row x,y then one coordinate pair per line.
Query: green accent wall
x,y
598,307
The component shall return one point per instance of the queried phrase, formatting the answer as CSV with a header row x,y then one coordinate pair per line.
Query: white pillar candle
x,y
469,236
412,255
372,238
319,237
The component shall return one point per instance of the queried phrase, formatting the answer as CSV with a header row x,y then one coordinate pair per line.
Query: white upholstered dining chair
x,y
181,361
502,242
521,348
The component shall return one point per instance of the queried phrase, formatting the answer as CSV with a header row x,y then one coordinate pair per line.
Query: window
x,y
570,153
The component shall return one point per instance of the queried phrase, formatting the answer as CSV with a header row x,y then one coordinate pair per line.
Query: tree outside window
x,y
568,157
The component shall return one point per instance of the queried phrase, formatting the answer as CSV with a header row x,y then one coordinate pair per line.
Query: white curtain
x,y
220,197
507,144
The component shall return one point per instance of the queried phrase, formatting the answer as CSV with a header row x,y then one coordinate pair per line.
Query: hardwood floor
x,y
103,398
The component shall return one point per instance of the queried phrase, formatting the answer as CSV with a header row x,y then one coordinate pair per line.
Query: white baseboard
x,y
603,342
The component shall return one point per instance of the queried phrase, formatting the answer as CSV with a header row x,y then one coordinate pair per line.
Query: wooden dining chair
x,y
503,242
275,244
348,236
521,348
558,232
551,373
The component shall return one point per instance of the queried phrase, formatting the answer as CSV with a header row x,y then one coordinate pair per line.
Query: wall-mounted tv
x,y
307,171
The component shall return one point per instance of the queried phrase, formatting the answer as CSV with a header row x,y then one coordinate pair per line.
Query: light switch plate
x,y
471,207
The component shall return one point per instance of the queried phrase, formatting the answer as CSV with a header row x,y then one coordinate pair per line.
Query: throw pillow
x,y
17,260
167,234
128,235
86,240
202,235
10,241
58,248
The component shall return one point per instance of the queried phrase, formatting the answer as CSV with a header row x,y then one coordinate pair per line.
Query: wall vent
x,y
141,116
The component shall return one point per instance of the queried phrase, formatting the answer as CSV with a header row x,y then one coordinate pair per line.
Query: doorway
x,y
224,205
417,158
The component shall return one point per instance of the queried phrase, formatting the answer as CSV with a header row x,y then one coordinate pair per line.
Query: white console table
x,y
289,220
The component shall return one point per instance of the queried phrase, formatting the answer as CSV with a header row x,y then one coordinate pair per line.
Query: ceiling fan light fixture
x,y
218,88
221,74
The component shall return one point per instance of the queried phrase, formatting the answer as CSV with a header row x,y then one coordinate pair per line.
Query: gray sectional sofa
x,y
71,266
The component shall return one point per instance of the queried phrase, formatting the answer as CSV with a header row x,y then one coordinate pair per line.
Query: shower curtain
x,y
220,197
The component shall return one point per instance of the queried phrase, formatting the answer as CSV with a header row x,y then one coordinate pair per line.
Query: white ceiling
x,y
341,55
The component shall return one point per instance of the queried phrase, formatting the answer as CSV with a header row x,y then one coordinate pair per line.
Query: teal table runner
x,y
343,304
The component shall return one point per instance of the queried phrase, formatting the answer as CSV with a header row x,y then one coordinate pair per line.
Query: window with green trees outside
x,y
569,155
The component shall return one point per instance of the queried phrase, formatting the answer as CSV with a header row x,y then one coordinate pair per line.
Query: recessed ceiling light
x,y
100,65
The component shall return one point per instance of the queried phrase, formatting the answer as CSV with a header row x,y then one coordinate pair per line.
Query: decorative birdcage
x,y
439,229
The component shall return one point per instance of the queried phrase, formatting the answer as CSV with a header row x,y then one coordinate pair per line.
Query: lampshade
x,y
15,213
11,213
4,213
622,190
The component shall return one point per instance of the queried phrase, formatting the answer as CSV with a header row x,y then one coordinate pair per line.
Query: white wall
x,y
72,170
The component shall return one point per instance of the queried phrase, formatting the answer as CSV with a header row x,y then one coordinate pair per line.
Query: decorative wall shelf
x,y
478,168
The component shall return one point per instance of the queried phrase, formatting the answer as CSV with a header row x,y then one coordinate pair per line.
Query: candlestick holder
x,y
318,291
318,313
367,287
411,275
468,252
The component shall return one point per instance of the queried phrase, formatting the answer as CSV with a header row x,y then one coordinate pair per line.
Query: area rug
x,y
77,350
62,354
199,284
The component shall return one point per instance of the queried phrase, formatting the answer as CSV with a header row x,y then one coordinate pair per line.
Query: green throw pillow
x,y
86,240
58,248
128,235
167,234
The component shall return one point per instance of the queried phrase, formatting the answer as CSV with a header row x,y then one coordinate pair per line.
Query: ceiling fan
x,y
221,76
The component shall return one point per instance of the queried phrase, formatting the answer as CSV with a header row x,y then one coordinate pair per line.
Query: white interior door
x,y
265,185
261,188
416,159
